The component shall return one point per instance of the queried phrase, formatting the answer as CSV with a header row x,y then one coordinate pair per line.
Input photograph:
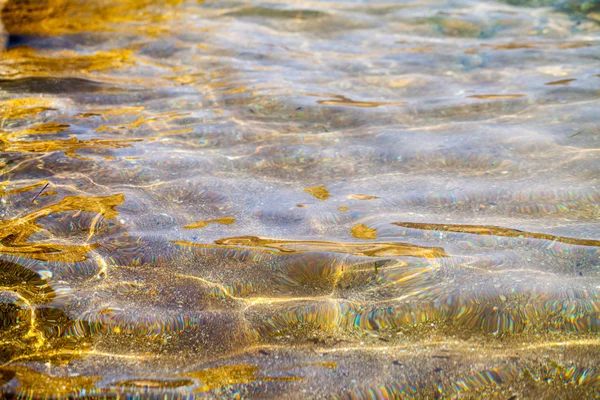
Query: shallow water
x,y
333,199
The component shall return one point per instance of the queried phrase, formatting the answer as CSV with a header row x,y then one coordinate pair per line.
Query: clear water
x,y
302,199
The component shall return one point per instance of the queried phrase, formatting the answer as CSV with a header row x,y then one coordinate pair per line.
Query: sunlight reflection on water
x,y
338,199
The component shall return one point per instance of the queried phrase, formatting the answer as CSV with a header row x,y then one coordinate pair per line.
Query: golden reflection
x,y
140,120
22,325
560,82
496,96
361,197
59,17
319,192
22,189
48,128
232,375
33,384
19,141
30,286
514,46
457,27
497,231
344,101
421,49
113,112
565,343
32,328
27,62
361,231
203,224
48,193
377,249
14,234
215,114
70,146
36,384
24,107
325,364
153,384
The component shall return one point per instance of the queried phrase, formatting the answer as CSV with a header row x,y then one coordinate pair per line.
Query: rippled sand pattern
x,y
302,199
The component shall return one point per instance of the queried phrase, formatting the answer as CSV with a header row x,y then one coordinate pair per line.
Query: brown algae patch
x,y
203,224
319,192
361,231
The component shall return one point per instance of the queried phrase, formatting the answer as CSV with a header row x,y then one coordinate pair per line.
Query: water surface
x,y
302,199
